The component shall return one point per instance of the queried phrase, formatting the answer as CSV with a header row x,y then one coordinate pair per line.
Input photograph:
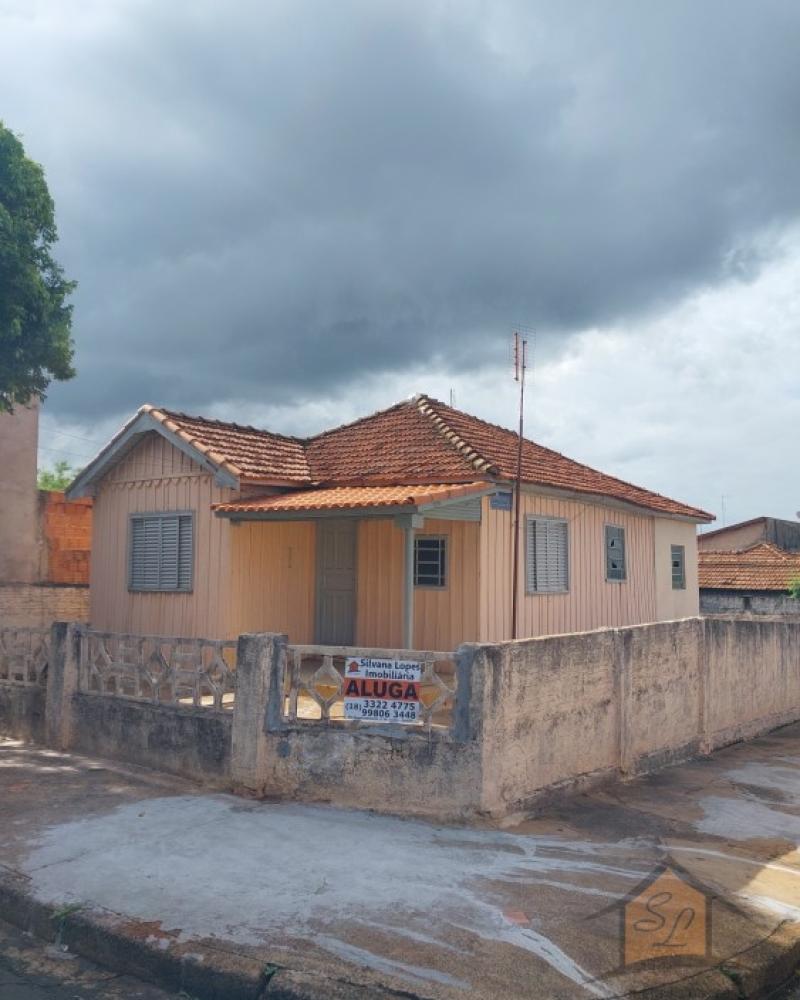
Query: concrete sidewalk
x,y
230,898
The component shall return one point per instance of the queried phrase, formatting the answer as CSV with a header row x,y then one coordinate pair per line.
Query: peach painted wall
x,y
591,601
442,618
155,476
671,603
272,581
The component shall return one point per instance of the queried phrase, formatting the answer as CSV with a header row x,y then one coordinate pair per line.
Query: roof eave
x,y
427,508
313,514
699,517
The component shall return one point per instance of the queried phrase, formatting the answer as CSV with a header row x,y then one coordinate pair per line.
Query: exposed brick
x,y
36,605
66,527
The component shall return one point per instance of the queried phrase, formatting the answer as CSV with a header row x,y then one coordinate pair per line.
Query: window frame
x,y
620,528
163,515
530,521
444,560
682,584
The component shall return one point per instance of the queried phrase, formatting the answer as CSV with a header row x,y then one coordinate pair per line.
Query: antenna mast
x,y
520,365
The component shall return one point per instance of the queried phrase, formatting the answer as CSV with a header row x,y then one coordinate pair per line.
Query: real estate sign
x,y
382,690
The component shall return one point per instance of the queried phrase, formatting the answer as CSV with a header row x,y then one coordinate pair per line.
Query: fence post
x,y
62,683
622,671
704,678
259,657
467,709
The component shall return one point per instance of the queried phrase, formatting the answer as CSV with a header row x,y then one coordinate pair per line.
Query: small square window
x,y
678,556
430,561
615,552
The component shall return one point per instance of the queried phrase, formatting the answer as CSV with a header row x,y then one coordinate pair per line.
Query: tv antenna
x,y
520,367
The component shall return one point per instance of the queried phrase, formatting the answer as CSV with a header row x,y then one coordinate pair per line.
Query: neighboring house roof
x,y
353,498
417,441
760,567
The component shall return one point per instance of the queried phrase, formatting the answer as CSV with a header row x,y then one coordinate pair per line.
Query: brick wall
x,y
38,605
66,534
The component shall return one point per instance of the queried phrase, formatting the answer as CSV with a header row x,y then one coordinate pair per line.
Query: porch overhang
x,y
407,506
428,500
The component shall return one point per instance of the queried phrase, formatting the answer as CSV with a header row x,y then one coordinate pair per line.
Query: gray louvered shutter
x,y
615,552
145,553
547,556
161,552
678,559
168,577
185,552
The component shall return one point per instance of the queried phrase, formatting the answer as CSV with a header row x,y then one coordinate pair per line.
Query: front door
x,y
336,582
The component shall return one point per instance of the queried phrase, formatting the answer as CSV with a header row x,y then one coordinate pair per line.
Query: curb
x,y
208,973
201,971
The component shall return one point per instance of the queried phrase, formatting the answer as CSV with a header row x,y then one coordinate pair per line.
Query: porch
x,y
365,566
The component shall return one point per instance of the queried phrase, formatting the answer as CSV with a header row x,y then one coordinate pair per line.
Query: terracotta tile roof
x,y
351,498
542,466
401,444
246,452
760,567
417,441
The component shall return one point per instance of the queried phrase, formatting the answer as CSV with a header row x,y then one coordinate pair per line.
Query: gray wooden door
x,y
336,582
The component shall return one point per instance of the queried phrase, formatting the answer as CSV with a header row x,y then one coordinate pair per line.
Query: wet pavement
x,y
437,911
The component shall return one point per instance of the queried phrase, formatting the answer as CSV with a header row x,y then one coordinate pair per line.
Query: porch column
x,y
409,522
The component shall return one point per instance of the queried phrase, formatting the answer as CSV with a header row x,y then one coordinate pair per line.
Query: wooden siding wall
x,y
591,602
155,476
273,574
442,618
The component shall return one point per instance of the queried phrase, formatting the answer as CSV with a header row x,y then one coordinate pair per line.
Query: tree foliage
x,y
794,587
57,478
35,320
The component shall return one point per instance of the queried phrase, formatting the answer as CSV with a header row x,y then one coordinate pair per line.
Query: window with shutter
x,y
615,552
546,555
430,561
678,556
161,551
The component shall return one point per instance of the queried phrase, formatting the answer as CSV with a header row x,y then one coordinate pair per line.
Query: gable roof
x,y
248,452
417,441
762,566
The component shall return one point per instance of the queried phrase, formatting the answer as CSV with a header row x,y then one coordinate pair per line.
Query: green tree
x,y
794,587
35,320
57,478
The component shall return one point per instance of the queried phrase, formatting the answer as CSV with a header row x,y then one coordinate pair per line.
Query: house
x,y
754,579
44,539
395,530
734,537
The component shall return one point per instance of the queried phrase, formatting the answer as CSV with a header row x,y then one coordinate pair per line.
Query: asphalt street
x,y
32,970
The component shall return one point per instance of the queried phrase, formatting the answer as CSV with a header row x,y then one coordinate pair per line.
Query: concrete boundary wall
x,y
532,719
22,713
569,712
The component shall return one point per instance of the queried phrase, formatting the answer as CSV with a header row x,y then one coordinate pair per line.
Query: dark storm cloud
x,y
264,201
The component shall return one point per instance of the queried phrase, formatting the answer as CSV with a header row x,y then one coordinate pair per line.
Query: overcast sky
x,y
292,213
